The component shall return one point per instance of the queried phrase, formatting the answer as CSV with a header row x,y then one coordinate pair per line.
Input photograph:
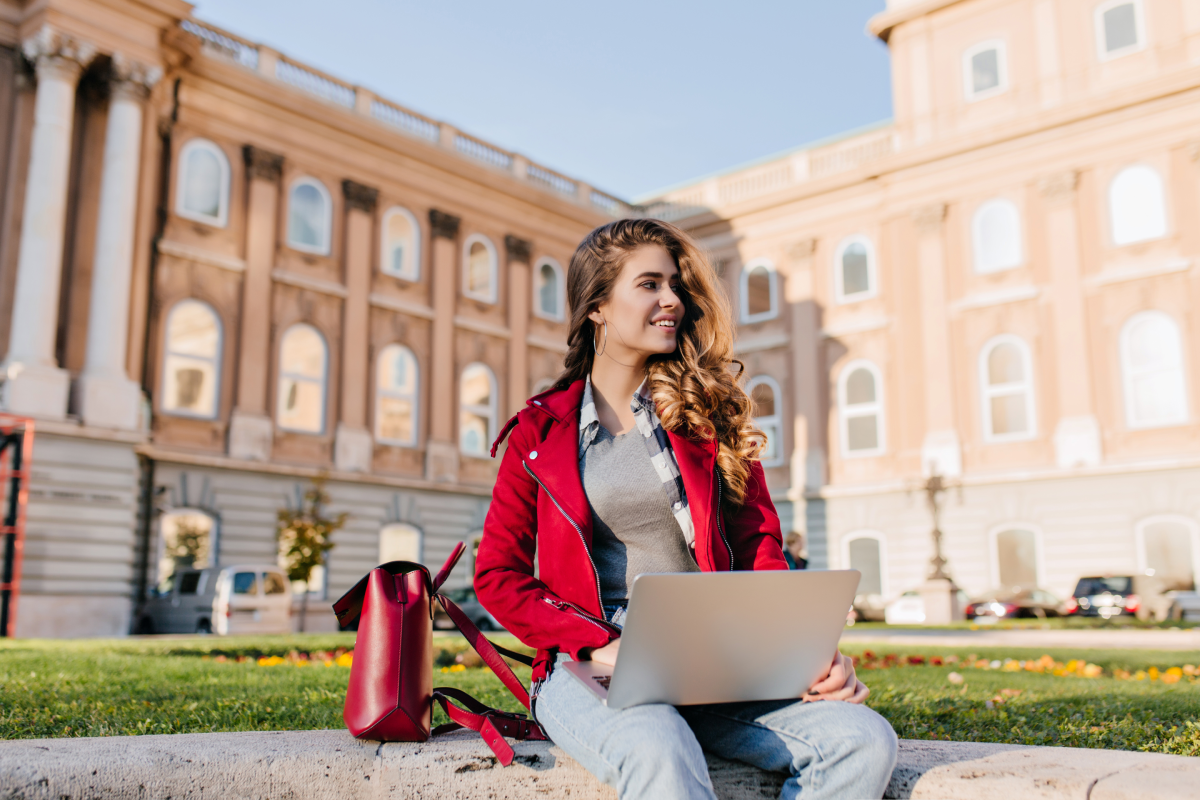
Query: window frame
x,y
415,397
1139,16
326,247
561,299
280,375
884,588
1127,373
987,390
744,291
1162,196
490,297
1001,48
1139,535
401,211
839,272
976,238
1039,557
217,359
489,412
878,409
222,218
398,524
775,419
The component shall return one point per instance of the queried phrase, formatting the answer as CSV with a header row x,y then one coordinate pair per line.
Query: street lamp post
x,y
939,592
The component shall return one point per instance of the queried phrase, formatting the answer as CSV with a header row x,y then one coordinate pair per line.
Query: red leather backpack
x,y
390,696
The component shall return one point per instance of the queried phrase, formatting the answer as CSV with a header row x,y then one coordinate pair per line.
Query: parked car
x,y
1015,602
466,600
1185,606
1110,596
909,608
246,598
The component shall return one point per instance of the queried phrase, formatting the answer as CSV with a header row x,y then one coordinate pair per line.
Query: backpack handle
x,y
444,572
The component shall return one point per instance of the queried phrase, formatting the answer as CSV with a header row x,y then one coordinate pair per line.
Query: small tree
x,y
191,541
304,535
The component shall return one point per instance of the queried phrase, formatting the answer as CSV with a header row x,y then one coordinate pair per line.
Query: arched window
x,y
759,291
187,538
479,269
764,392
401,255
399,542
996,235
1120,29
860,403
396,396
985,70
1136,205
548,290
202,191
310,214
854,267
1168,548
1007,390
865,552
477,403
303,371
192,361
1016,559
1152,367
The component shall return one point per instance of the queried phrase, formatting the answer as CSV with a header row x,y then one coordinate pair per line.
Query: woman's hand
x,y
604,655
839,683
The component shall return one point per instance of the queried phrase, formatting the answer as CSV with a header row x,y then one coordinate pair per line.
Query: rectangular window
x,y
985,70
1119,29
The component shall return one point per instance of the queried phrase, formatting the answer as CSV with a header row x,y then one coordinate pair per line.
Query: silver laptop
x,y
723,637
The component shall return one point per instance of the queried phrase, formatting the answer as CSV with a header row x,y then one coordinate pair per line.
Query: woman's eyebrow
x,y
648,275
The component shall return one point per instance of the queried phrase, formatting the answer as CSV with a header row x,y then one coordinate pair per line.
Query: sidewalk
x,y
1055,638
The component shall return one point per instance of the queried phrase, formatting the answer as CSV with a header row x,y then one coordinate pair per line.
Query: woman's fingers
x,y
835,679
860,693
607,654
840,684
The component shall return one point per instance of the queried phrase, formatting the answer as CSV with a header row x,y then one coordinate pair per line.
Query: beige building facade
x,y
224,273
999,286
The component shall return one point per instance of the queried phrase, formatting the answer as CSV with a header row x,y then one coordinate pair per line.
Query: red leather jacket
x,y
538,505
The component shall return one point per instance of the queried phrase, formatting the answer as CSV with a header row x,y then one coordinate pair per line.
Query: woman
x,y
643,458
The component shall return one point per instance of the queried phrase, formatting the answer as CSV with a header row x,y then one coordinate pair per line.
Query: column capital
x,y
518,249
262,164
55,53
929,218
443,224
359,196
1060,187
131,78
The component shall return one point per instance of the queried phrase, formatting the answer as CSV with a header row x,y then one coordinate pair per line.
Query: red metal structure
x,y
16,456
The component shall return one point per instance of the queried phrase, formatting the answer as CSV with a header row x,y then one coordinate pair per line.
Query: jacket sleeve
x,y
504,579
756,538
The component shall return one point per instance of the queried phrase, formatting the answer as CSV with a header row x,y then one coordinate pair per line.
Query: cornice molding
x,y
359,196
443,224
262,164
882,24
518,249
929,218
1060,187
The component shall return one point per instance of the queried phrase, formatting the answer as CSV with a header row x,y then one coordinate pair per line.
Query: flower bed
x,y
1046,665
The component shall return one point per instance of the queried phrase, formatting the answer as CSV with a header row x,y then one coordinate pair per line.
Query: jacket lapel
x,y
556,465
696,458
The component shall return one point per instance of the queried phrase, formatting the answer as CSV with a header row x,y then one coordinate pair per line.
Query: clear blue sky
x,y
630,96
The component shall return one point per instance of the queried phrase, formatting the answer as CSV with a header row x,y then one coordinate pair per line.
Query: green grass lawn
x,y
121,687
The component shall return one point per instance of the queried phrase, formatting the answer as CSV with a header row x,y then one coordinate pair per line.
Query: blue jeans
x,y
831,749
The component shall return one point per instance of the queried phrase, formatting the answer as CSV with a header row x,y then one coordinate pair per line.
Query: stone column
x,y
441,451
107,396
941,452
251,429
353,445
34,384
808,383
1077,434
520,297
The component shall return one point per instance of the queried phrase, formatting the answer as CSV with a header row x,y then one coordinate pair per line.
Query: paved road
x,y
1059,639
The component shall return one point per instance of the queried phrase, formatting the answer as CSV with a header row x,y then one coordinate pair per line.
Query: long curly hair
x,y
696,389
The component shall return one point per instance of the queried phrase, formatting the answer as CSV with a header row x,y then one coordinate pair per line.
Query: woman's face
x,y
644,311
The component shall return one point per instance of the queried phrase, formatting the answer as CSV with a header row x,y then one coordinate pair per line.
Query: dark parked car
x,y
466,600
1018,602
1113,595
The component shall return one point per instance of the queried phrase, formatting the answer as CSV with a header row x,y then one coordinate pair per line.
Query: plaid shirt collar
x,y
658,447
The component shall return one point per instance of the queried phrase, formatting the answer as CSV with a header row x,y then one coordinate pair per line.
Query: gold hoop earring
x,y
600,350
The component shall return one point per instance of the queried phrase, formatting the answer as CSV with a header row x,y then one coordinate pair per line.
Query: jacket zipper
x,y
578,530
721,530
563,605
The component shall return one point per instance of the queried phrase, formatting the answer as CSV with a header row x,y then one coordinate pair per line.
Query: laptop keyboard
x,y
602,680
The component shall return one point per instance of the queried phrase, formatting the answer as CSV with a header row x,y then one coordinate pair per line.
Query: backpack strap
x,y
488,651
349,606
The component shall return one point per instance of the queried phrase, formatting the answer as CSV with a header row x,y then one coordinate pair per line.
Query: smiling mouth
x,y
664,323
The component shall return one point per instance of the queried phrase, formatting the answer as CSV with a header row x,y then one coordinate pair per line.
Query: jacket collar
x,y
561,404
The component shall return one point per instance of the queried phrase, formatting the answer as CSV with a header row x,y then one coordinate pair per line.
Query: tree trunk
x,y
304,607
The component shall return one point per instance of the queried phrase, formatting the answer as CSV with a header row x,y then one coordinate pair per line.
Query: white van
x,y
246,598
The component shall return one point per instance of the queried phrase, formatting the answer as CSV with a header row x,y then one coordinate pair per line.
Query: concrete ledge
x,y
324,765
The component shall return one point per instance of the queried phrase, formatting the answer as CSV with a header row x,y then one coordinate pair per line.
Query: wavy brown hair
x,y
695,388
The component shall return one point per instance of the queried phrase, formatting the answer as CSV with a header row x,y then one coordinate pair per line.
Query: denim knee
x,y
872,743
